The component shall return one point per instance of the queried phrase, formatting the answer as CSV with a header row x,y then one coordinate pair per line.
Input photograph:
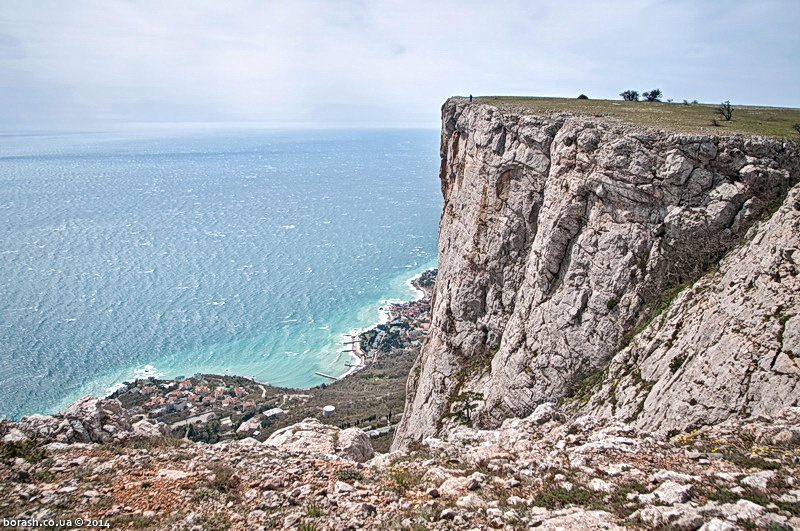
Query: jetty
x,y
325,375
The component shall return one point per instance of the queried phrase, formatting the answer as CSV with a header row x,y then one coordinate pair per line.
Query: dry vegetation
x,y
365,399
693,118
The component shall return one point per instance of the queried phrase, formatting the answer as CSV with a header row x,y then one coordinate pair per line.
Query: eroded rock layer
x,y
560,234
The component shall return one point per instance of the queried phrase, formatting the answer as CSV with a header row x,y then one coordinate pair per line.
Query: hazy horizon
x,y
90,64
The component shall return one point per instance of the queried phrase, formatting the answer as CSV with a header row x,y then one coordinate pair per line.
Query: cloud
x,y
379,61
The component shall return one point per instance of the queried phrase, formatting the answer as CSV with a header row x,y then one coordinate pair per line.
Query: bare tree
x,y
630,95
725,110
653,95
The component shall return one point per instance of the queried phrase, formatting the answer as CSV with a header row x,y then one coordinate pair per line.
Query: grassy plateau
x,y
675,116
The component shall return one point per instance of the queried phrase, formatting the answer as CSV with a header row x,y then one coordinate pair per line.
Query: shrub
x,y
556,497
313,510
27,450
583,97
403,479
630,95
796,127
224,479
676,362
349,474
725,110
201,494
653,95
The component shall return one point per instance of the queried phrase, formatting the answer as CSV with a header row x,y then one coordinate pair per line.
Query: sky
x,y
82,62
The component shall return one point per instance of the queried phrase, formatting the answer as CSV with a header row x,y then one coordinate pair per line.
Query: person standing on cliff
x,y
470,98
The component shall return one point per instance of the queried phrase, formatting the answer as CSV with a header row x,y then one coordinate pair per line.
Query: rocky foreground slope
x,y
544,471
563,236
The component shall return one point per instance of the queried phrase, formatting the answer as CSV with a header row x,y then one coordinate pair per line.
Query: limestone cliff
x,y
563,235
728,345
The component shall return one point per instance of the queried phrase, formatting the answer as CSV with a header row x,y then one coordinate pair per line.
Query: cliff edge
x,y
562,241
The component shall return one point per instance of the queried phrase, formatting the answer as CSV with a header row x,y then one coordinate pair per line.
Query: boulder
x,y
582,519
312,436
145,429
15,435
355,445
86,420
250,425
671,493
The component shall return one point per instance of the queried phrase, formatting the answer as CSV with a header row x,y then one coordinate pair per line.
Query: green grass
x,y
314,511
404,479
555,497
692,118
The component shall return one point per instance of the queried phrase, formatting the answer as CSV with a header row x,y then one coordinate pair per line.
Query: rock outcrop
x,y
88,420
314,437
561,235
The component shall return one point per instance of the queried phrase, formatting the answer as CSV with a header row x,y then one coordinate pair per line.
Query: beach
x,y
413,311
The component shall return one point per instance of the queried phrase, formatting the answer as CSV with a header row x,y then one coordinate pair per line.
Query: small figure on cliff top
x,y
470,98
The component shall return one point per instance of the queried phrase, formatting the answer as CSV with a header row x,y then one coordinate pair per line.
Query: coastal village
x,y
212,408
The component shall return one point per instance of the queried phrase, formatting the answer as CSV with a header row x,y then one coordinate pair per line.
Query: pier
x,y
325,375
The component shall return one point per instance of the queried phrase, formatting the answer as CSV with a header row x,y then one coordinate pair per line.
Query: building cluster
x,y
411,311
189,395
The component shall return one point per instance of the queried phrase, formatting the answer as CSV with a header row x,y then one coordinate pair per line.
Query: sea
x,y
172,251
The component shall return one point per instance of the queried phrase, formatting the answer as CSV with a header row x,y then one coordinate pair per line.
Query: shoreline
x,y
387,311
213,407
384,317
358,355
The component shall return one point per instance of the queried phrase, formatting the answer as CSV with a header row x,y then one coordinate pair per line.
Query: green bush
x,y
27,450
349,474
653,95
313,510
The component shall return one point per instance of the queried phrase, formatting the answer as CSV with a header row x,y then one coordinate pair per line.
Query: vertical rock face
x,y
728,345
559,235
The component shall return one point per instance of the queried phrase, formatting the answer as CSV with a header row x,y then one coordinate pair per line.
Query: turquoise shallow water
x,y
179,251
